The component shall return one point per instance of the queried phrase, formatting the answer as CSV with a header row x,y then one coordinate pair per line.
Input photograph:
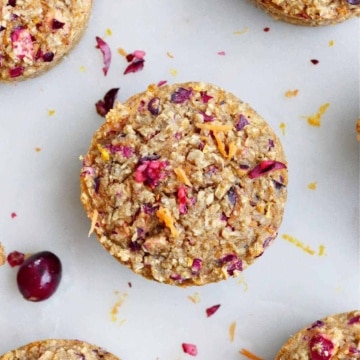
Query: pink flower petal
x,y
106,104
265,167
161,83
22,43
190,349
221,53
212,310
104,48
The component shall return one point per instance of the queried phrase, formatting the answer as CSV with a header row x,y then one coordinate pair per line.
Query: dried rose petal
x,y
314,61
154,106
48,57
181,95
12,3
137,54
212,310
106,104
241,123
354,320
106,52
353,350
271,144
353,2
234,263
88,170
2,28
134,67
190,349
207,118
176,277
265,167
149,209
125,151
205,97
56,24
15,258
320,347
196,266
183,200
16,71
22,43
161,83
267,242
316,324
97,184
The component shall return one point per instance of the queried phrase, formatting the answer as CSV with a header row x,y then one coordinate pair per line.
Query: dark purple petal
x,y
150,209
244,166
12,3
2,28
56,24
48,57
265,167
267,242
353,350
241,123
271,144
154,106
353,2
135,66
97,185
106,52
232,196
316,324
181,95
105,105
134,246
354,320
236,265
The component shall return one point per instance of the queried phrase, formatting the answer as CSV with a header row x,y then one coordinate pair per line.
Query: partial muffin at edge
x,y
310,12
335,337
185,184
58,349
35,35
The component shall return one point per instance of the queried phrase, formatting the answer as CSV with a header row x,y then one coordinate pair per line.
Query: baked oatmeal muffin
x,y
185,184
36,34
358,129
336,337
55,349
311,12
2,255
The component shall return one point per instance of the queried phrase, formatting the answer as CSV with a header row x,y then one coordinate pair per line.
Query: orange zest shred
x,y
181,175
164,215
221,147
315,119
299,244
214,127
121,51
94,218
105,155
282,128
232,329
249,355
322,249
312,185
115,309
291,93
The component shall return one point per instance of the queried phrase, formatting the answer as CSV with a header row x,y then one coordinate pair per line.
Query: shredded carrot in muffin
x,y
214,127
164,216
